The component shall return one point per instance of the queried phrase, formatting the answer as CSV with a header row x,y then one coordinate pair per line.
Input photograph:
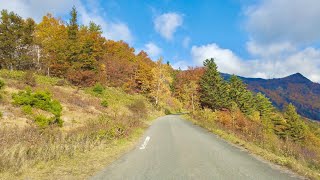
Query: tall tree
x,y
297,128
162,80
240,95
263,105
190,97
51,37
16,37
72,43
73,24
144,77
213,89
280,126
120,62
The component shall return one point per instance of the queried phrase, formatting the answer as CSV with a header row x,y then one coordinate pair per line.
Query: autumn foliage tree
x,y
160,88
51,39
17,51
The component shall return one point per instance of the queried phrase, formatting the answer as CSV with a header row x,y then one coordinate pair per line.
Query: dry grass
x,y
81,165
91,137
28,146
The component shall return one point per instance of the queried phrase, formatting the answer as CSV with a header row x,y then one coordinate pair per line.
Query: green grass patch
x,y
20,75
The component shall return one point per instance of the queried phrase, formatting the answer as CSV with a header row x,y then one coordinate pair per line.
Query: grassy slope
x,y
79,108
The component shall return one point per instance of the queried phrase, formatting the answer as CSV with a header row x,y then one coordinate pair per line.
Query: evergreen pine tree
x,y
213,90
73,24
296,127
263,105
240,95
280,126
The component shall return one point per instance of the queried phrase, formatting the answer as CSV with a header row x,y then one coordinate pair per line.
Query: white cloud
x,y
183,65
295,21
305,61
270,50
153,50
186,42
167,24
226,60
282,33
111,30
36,9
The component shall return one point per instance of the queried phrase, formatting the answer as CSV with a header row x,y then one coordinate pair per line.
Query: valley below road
x,y
173,148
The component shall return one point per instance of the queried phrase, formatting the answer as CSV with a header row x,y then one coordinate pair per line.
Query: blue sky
x,y
253,38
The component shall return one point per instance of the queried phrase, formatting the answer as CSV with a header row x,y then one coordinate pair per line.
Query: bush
x,y
139,108
2,84
104,103
1,114
27,109
61,82
167,111
98,89
83,78
29,79
43,121
41,100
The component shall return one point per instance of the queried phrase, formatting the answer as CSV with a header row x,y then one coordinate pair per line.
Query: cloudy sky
x,y
252,38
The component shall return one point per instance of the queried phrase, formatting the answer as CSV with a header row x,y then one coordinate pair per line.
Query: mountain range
x,y
295,89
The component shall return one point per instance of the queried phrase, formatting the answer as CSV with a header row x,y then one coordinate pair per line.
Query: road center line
x,y
143,146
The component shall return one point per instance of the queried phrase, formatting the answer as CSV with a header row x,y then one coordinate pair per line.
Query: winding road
x,y
173,148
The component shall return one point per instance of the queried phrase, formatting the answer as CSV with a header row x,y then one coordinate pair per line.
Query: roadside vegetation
x,y
242,117
40,126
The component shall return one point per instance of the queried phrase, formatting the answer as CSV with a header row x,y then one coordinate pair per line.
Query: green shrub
x,y
17,75
139,107
167,111
43,121
1,114
27,109
2,84
104,103
98,88
38,99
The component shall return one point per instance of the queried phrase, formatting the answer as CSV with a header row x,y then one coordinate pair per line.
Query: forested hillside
x,y
53,68
295,89
81,55
230,109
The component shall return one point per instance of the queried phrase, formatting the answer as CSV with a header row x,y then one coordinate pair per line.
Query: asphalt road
x,y
173,148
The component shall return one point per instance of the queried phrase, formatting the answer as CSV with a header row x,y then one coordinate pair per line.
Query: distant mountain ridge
x,y
295,89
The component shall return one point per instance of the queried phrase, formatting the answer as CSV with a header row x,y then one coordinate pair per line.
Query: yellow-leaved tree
x,y
162,79
51,37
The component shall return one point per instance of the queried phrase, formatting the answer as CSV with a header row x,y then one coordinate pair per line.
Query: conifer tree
x,y
240,95
280,126
73,24
263,105
296,127
213,89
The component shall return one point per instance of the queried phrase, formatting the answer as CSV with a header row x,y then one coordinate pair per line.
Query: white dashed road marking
x,y
144,145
